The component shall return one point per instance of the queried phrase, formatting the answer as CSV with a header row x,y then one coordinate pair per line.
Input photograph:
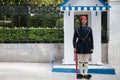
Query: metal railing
x,y
31,23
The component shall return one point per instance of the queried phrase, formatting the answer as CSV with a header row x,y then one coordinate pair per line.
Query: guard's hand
x,y
75,56
74,50
91,50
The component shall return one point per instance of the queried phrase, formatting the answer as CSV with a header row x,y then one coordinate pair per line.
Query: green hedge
x,y
38,35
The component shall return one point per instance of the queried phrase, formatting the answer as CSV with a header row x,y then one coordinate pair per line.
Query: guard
x,y
83,47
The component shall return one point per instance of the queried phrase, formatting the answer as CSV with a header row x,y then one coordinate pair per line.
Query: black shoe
x,y
80,76
87,76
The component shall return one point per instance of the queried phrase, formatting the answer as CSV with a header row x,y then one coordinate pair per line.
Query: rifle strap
x,y
80,35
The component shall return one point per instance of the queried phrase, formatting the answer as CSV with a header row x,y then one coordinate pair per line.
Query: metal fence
x,y
31,23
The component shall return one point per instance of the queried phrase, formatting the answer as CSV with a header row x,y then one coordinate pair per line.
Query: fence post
x,y
27,19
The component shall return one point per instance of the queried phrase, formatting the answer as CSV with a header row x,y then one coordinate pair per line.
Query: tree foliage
x,y
9,2
39,2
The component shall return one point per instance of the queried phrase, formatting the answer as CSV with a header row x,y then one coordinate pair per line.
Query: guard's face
x,y
84,21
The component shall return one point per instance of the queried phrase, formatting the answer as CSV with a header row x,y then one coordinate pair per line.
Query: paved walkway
x,y
42,71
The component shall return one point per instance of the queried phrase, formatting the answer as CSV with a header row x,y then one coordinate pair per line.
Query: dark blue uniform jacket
x,y
83,40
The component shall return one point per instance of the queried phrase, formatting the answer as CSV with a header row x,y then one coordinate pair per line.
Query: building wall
x,y
114,32
37,52
114,0
30,52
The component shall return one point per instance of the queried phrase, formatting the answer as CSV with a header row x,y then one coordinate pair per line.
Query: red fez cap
x,y
82,17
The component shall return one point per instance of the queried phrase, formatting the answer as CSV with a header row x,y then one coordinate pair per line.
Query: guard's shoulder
x,y
77,28
89,27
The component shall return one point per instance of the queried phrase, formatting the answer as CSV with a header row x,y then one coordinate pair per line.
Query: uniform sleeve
x,y
91,39
74,38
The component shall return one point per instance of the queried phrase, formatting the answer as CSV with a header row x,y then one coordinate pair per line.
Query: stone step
x,y
93,69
